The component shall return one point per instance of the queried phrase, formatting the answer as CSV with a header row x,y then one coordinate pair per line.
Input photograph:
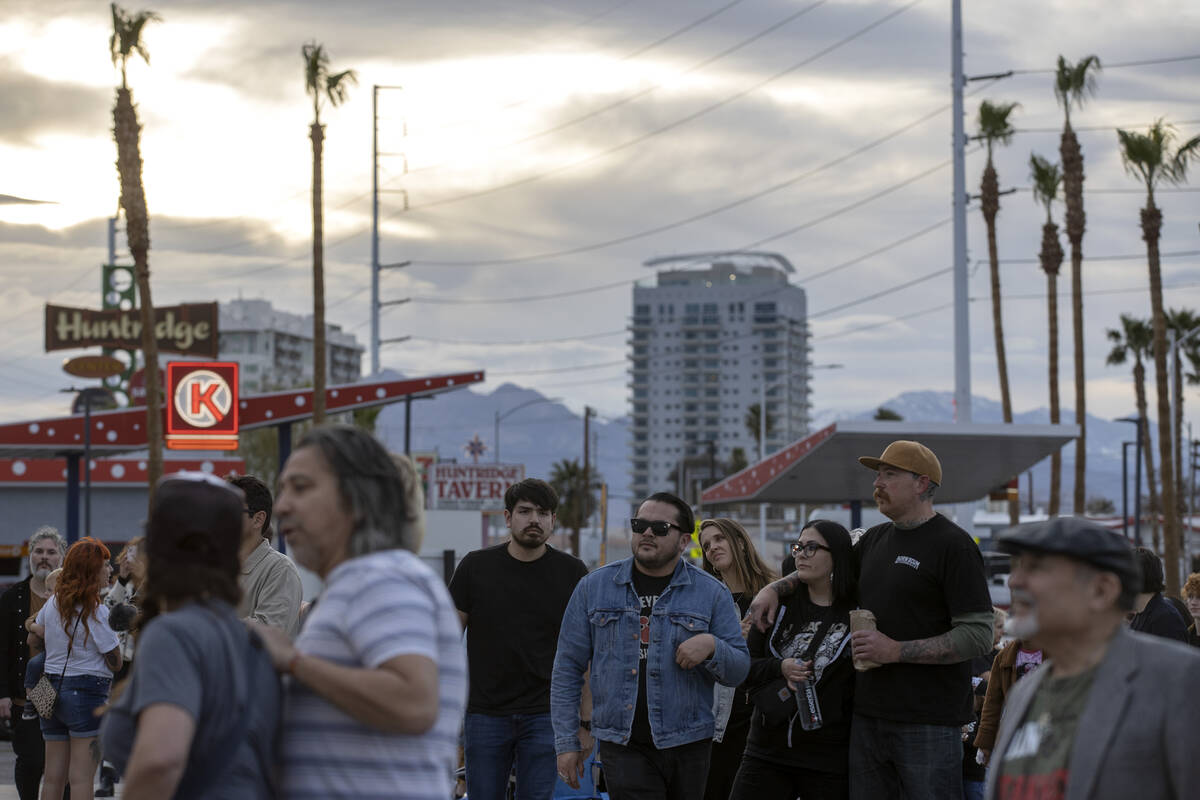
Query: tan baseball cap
x,y
909,456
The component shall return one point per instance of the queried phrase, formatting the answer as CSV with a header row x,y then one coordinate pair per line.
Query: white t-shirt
x,y
87,652
374,608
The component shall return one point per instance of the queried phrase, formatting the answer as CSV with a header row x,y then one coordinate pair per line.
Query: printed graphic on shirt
x,y
1052,786
1027,662
798,641
908,561
648,601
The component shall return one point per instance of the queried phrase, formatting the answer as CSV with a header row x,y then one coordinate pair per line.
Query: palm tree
x,y
753,425
994,127
331,87
126,40
1046,180
576,503
1073,83
1135,339
1181,322
1151,158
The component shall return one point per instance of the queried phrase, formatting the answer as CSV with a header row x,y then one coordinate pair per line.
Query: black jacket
x,y
1159,618
826,749
14,652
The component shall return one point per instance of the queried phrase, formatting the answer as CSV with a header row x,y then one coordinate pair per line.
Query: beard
x,y
530,538
1023,626
41,572
653,560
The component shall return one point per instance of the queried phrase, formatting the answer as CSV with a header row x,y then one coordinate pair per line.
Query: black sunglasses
x,y
660,527
808,549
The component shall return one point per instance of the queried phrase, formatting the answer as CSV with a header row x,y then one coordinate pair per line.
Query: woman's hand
x,y
795,671
279,647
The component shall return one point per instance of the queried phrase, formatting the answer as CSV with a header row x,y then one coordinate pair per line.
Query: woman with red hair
x,y
82,653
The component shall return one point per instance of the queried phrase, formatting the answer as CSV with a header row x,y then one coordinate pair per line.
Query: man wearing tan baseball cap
x,y
922,577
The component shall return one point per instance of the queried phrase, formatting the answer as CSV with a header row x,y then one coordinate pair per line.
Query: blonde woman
x,y
730,556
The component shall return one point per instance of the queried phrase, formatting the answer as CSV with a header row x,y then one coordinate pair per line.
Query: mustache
x,y
529,528
1022,596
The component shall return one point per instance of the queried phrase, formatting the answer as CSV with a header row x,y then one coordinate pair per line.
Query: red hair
x,y
79,582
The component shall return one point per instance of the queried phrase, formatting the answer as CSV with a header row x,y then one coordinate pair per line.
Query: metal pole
x,y
375,230
1137,482
762,454
962,323
408,425
87,462
496,438
1029,475
1125,488
283,437
112,243
72,498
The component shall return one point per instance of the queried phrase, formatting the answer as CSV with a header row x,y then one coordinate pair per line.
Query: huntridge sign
x,y
190,329
471,487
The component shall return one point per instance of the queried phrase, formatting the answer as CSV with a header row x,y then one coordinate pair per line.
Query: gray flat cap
x,y
1075,538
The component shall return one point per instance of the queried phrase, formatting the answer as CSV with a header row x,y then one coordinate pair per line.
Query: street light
x,y
1137,479
500,416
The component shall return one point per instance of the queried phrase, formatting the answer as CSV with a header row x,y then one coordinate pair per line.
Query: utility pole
x,y
376,267
588,413
962,320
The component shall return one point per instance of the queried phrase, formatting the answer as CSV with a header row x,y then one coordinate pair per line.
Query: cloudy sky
x,y
547,149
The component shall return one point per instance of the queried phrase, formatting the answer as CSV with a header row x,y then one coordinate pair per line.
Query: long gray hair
x,y
372,490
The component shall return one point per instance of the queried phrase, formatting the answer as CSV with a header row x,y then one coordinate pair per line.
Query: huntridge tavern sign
x,y
190,329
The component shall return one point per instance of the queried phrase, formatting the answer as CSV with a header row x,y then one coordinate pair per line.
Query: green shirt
x,y
1036,765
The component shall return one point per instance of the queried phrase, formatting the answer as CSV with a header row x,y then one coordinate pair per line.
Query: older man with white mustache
x,y
1111,713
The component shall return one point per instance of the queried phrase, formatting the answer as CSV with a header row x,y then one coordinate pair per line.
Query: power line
x,y
876,295
672,125
1141,63
520,299
1121,257
523,343
903,240
550,370
643,92
1101,128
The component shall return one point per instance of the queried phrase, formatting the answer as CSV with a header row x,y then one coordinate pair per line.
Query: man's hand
x,y
874,646
586,741
570,767
763,608
695,650
6,708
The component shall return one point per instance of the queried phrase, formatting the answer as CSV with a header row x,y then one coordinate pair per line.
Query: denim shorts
x,y
75,712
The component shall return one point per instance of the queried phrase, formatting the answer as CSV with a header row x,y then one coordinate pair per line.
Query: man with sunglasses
x,y
659,632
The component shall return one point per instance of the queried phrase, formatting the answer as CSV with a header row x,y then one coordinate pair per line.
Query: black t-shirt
x,y
514,611
915,581
1160,618
648,589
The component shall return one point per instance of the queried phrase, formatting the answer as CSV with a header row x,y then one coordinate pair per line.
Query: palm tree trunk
x,y
1177,436
317,134
1139,382
1072,162
1151,226
990,194
1052,315
127,132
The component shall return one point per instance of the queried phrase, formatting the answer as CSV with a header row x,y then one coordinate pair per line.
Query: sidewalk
x,y
7,790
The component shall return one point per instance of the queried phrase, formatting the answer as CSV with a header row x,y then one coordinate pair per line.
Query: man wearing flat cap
x,y
923,578
1112,713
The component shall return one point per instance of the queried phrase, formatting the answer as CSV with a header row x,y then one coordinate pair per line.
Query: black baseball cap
x,y
1078,539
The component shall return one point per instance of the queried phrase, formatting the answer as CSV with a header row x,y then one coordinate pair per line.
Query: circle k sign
x,y
202,411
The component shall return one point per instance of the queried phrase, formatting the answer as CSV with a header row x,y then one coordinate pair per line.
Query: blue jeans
x,y
643,772
75,711
904,759
494,744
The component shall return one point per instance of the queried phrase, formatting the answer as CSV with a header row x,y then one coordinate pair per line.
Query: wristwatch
x,y
586,724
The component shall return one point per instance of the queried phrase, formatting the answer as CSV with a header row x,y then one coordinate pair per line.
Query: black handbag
x,y
775,700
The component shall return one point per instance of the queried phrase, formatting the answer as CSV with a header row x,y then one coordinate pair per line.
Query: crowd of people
x,y
873,667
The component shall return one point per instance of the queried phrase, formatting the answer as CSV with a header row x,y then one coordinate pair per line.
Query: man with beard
x,y
923,578
1111,713
511,599
659,632
46,550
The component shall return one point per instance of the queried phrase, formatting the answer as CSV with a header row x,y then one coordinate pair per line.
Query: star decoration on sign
x,y
475,448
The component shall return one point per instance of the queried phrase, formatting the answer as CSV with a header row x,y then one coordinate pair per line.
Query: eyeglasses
x,y
660,527
249,513
808,549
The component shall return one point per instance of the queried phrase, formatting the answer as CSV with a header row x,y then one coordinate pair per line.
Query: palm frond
x,y
1047,178
336,86
316,67
1074,83
993,121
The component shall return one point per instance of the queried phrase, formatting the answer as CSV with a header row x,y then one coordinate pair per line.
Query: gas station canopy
x,y
824,468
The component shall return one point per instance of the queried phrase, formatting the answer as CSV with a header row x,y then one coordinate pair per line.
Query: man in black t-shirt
x,y
511,599
923,578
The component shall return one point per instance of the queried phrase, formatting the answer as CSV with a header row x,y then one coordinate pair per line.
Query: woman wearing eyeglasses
x,y
730,556
809,642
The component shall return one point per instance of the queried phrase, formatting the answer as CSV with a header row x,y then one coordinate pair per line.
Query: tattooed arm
x,y
969,636
766,602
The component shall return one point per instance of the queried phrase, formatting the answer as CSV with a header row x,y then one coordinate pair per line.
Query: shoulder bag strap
x,y
70,644
818,637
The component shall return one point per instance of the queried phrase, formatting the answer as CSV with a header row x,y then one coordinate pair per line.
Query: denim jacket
x,y
602,624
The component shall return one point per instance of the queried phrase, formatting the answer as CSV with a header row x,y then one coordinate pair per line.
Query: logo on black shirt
x,y
909,561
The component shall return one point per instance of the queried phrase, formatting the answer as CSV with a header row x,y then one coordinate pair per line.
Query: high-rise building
x,y
275,348
712,333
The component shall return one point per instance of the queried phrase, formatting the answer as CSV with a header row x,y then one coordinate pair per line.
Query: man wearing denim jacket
x,y
658,632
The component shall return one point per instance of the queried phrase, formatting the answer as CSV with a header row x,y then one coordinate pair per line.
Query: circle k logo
x,y
203,398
